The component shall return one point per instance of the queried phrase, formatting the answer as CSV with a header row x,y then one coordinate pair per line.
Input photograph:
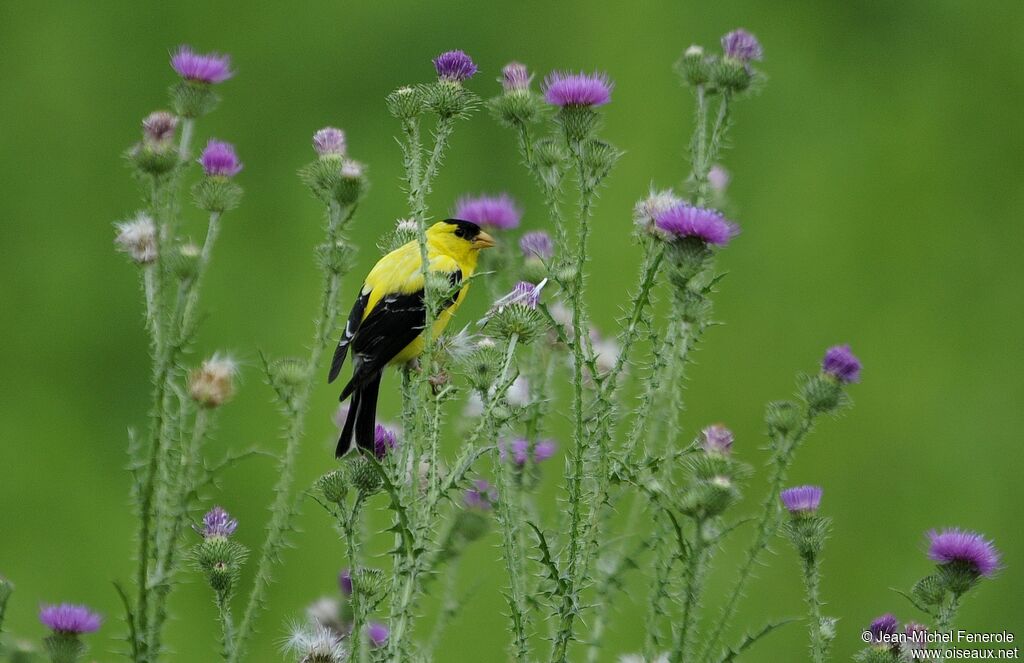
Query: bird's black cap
x,y
466,229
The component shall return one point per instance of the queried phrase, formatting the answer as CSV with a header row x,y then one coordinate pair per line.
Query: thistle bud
x,y
212,384
333,486
183,260
353,182
137,238
733,75
370,583
599,157
550,157
363,475
337,258
782,418
448,98
717,439
406,102
220,559
518,105
694,67
516,313
289,372
822,394
156,153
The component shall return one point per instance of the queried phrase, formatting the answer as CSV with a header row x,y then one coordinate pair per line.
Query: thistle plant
x,y
647,494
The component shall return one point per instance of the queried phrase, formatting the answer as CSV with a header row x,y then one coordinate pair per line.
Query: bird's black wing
x,y
394,323
351,327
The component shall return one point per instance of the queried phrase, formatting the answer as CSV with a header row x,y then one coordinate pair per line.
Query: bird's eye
x,y
460,232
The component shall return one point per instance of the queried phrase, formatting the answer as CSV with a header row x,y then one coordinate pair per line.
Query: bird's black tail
x,y
362,415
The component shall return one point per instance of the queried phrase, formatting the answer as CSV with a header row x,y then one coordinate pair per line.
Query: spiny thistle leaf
x,y
750,639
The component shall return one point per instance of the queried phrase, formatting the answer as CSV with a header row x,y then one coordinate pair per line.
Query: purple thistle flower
x,y
707,225
209,68
717,439
519,449
384,441
498,211
329,142
525,294
841,363
481,496
377,633
536,244
883,626
564,88
543,450
741,45
970,548
454,66
218,522
69,618
802,500
219,159
345,582
515,77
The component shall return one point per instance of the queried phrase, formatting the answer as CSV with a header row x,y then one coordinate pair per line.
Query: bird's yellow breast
x,y
399,273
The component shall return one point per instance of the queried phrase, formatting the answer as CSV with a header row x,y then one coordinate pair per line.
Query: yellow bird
x,y
387,320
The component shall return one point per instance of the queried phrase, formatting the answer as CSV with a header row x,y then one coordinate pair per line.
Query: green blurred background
x,y
877,180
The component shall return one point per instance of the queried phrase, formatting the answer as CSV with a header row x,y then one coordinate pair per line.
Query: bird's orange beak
x,y
484,241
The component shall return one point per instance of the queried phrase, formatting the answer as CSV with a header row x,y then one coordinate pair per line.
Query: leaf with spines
x,y
558,581
751,638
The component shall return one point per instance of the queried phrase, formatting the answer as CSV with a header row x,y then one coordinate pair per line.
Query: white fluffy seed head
x,y
137,238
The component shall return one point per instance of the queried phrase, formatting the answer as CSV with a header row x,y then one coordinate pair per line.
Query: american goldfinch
x,y
387,320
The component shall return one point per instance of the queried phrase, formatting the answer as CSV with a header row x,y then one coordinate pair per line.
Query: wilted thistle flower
x,y
657,202
315,643
481,496
377,634
326,612
217,523
536,244
515,77
329,142
801,500
685,220
742,45
454,66
209,68
345,581
137,238
718,178
69,619
965,549
384,441
883,627
717,439
499,212
842,364
563,88
219,159
212,384
158,128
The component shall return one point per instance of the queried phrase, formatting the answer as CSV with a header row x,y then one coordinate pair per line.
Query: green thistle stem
x,y
350,527
693,575
947,613
285,504
812,583
767,525
187,128
227,626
